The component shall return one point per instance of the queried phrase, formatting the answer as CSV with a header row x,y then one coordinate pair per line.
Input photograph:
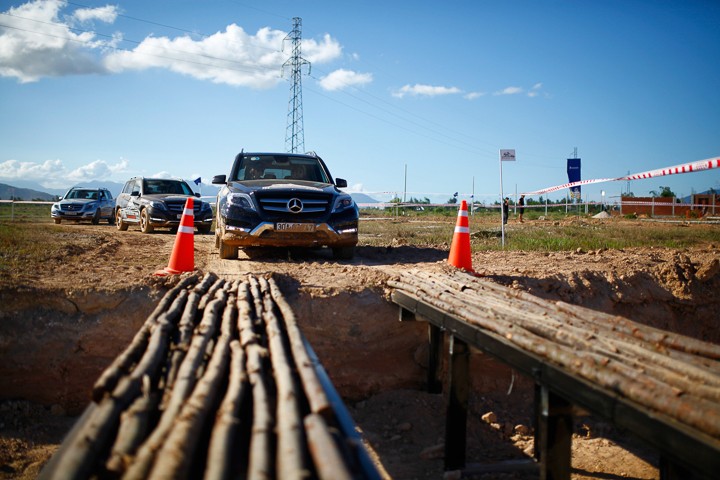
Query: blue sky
x,y
106,91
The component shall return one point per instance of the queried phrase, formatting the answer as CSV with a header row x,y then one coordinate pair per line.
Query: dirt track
x,y
57,334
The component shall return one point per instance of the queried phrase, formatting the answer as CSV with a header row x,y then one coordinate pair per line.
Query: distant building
x,y
699,205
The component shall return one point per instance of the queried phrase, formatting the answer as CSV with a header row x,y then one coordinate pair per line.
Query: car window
x,y
163,186
283,167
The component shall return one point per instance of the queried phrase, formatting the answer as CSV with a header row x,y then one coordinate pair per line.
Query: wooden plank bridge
x,y
663,387
218,383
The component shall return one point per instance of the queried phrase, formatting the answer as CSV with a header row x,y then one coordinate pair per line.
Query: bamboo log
x,y
225,444
613,322
290,459
574,330
186,380
314,390
96,437
172,302
582,347
135,424
327,456
175,458
263,446
186,326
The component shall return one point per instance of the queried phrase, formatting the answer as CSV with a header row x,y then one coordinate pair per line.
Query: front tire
x,y
228,252
57,221
96,218
204,229
145,226
122,226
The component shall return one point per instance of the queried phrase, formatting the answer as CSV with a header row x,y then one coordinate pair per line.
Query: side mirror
x,y
219,179
341,183
197,194
135,194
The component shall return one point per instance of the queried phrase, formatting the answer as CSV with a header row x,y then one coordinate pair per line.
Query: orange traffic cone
x,y
460,249
182,258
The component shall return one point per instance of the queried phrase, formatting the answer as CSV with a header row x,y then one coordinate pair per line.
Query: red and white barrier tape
x,y
700,165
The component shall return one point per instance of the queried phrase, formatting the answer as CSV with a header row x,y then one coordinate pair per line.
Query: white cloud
x,y
163,174
321,52
54,174
425,90
535,90
231,57
106,14
36,44
473,95
342,78
97,170
510,91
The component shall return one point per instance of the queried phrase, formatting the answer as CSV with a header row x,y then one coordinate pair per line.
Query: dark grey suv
x,y
159,202
283,200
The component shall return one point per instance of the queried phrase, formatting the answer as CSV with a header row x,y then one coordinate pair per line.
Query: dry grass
x,y
561,233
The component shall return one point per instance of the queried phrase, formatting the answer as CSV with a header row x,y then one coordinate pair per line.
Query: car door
x,y
105,204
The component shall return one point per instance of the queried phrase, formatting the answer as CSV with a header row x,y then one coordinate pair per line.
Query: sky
x,y
401,98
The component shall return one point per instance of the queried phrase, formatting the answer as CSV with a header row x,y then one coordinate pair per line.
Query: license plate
x,y
295,227
72,213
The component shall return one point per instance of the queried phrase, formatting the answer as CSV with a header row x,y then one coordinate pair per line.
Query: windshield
x,y
164,186
83,194
281,167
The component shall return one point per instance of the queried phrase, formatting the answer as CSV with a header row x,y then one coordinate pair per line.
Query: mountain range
x,y
25,190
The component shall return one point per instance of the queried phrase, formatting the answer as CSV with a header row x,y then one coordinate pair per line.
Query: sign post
x,y
505,156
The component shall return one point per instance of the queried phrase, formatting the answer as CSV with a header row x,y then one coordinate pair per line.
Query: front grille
x,y
302,204
177,206
71,207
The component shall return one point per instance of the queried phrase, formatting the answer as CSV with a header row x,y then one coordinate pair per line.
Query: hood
x,y
251,186
169,197
77,200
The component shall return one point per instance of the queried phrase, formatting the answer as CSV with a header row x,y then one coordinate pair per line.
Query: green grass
x,y
24,212
558,233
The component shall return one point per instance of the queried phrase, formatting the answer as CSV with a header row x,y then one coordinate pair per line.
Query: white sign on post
x,y
507,155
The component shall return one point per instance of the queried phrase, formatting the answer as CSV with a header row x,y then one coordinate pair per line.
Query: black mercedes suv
x,y
159,202
283,200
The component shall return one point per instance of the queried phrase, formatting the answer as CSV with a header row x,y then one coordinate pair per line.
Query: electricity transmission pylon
x,y
294,133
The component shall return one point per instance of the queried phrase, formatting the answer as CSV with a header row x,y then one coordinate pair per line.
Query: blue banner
x,y
573,171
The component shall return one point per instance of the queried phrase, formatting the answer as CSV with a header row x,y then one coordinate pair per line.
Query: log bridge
x,y
662,387
218,383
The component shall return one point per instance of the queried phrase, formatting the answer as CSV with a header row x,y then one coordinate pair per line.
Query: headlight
x,y
156,204
343,202
55,206
241,200
90,206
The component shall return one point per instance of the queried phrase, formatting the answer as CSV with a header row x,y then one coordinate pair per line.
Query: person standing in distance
x,y
505,210
521,207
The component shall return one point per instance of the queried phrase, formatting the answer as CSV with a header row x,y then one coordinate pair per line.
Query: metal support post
x,y
436,340
553,434
457,405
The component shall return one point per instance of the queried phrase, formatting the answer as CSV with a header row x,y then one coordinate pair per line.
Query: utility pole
x,y
294,133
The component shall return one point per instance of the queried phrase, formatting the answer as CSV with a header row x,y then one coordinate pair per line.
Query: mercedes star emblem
x,y
294,205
